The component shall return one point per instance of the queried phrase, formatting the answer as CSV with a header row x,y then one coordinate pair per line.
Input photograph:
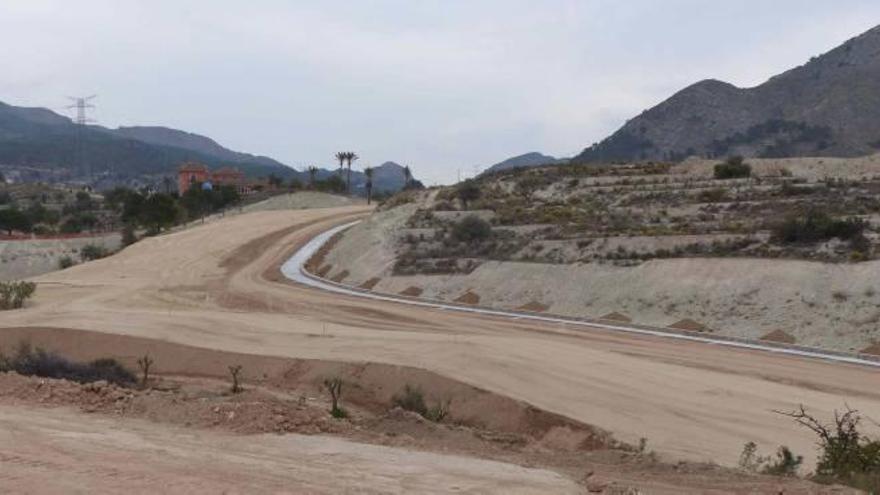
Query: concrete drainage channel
x,y
294,269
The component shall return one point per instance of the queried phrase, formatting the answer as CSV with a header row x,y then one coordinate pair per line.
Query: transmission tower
x,y
81,104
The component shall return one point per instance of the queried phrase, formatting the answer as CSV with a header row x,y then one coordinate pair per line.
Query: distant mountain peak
x,y
530,159
829,106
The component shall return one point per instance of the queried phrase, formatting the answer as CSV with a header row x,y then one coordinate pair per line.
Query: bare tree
x,y
145,363
235,371
334,386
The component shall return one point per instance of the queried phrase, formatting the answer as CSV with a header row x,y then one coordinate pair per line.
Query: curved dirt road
x,y
219,286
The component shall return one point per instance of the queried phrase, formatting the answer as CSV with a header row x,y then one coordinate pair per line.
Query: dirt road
x,y
104,455
218,286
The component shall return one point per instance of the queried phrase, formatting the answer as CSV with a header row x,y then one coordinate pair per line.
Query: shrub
x,y
817,226
733,168
13,294
785,464
845,455
467,192
412,399
91,252
65,262
38,362
471,228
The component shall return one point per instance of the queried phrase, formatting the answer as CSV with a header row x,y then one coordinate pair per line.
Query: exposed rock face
x,y
827,107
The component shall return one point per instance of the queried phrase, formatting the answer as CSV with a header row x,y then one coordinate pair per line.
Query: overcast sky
x,y
439,85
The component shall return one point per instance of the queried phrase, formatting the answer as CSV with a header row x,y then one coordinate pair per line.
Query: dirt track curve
x,y
218,286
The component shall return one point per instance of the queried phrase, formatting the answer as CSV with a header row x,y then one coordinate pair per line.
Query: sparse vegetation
x,y
471,229
65,262
13,294
334,387
38,362
145,362
845,455
413,399
234,372
91,252
815,226
733,168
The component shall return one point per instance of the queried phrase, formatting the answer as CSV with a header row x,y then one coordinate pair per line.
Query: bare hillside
x,y
786,252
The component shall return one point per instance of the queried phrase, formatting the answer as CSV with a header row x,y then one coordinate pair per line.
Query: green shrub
x,y
65,262
91,252
733,168
412,399
785,464
13,294
845,455
471,228
468,191
38,362
817,226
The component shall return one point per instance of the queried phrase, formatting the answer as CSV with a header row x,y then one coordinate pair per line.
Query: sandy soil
x,y
22,259
63,451
218,286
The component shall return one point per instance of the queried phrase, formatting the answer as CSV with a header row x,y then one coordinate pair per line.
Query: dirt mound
x,y
780,336
468,297
369,284
690,325
411,291
615,316
534,306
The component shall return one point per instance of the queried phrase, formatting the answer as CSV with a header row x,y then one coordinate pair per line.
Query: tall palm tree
x,y
407,177
350,157
368,172
341,156
313,171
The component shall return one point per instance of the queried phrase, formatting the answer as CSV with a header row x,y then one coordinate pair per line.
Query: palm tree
x,y
166,181
341,156
350,157
368,172
313,171
407,177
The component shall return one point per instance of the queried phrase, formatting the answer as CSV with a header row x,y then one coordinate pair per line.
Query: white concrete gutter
x,y
294,269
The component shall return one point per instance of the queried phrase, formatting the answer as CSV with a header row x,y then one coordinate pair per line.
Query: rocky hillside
x,y
789,250
827,107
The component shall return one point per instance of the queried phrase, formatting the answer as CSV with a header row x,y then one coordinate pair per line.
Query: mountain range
x,y
829,106
53,146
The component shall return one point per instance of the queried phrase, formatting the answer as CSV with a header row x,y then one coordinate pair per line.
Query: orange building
x,y
195,173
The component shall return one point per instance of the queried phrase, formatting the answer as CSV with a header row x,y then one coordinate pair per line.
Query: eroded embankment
x,y
369,385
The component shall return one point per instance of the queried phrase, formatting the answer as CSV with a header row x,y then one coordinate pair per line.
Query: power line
x,y
81,104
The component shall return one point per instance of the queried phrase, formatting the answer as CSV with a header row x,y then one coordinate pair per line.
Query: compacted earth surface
x,y
533,407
